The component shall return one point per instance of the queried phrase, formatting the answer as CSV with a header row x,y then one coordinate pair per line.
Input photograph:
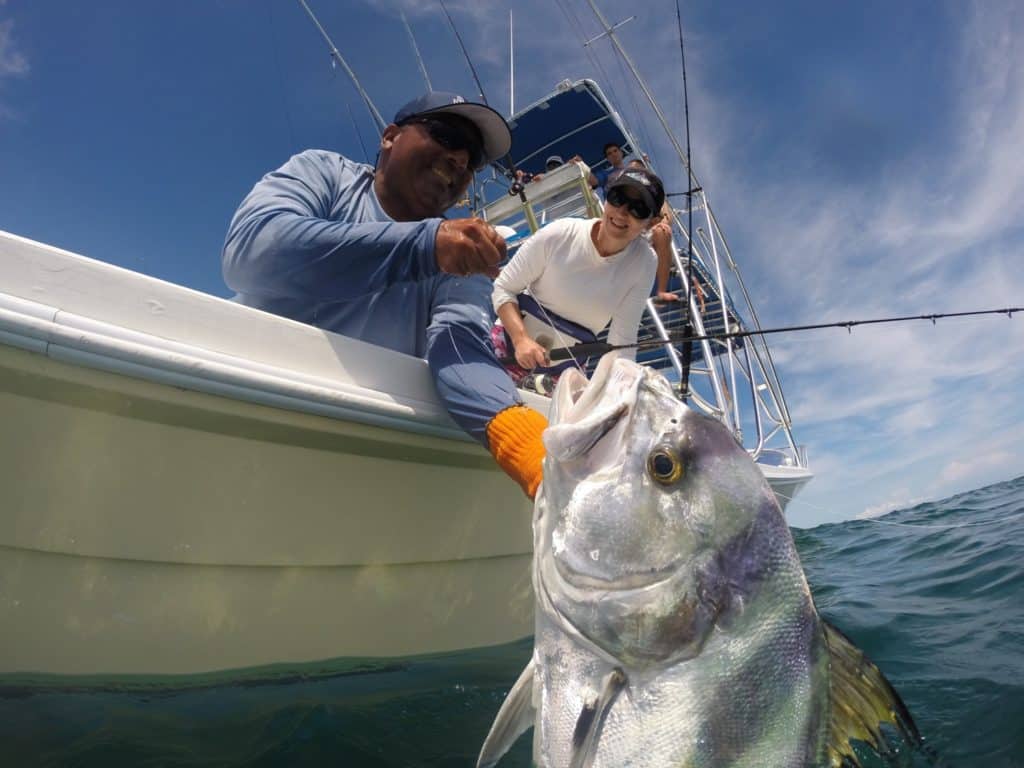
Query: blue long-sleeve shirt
x,y
312,242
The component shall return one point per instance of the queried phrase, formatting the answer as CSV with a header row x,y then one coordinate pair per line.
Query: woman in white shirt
x,y
591,272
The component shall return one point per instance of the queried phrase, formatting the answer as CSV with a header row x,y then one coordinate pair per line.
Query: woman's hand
x,y
530,354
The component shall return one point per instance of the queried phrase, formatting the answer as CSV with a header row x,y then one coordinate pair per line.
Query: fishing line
x,y
359,135
949,526
280,73
551,323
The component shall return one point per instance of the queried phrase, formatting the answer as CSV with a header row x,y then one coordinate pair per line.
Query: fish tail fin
x,y
862,700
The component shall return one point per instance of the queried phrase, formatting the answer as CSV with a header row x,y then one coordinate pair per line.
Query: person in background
x,y
590,272
553,162
616,161
365,251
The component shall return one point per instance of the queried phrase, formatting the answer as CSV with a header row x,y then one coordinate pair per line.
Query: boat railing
x,y
565,191
720,367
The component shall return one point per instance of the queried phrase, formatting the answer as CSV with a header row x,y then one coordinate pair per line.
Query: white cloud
x,y
12,61
957,471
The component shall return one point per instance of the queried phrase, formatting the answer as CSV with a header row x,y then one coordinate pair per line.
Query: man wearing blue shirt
x,y
616,164
364,251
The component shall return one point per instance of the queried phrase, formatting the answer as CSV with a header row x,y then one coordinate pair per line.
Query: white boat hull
x,y
191,486
155,530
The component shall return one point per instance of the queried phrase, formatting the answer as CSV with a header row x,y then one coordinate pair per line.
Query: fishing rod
x,y
588,349
687,361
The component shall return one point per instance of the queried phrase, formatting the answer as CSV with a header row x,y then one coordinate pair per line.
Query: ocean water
x,y
934,595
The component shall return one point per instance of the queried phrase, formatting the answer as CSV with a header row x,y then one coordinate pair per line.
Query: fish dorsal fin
x,y
862,700
592,717
513,720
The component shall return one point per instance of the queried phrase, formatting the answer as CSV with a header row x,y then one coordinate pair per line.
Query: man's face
x,y
614,156
419,174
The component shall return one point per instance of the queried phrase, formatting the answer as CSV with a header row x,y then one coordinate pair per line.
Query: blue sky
x,y
864,160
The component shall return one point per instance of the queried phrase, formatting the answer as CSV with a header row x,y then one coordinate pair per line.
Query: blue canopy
x,y
574,120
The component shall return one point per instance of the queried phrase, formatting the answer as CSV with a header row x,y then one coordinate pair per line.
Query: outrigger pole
x,y
416,50
600,347
336,55
511,67
465,53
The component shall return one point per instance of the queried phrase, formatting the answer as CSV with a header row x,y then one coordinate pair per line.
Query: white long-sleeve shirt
x,y
562,269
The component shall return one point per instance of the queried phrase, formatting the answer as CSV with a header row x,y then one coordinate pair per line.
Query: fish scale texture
x,y
749,701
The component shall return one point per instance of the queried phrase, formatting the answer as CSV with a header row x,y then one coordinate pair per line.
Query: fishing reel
x,y
519,180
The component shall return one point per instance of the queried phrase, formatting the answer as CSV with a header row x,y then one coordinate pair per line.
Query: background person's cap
x,y
492,126
643,181
553,160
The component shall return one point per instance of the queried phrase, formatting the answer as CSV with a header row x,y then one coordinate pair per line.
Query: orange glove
x,y
514,439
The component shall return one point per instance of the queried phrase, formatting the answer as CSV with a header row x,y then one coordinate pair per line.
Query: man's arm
x,y
282,242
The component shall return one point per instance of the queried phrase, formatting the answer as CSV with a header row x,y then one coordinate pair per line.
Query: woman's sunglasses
x,y
452,137
638,209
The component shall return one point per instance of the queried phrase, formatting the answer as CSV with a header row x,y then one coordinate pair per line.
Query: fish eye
x,y
664,465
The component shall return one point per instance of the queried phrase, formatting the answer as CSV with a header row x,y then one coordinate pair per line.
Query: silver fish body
x,y
674,625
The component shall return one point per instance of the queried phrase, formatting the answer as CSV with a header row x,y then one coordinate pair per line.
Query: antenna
x,y
511,67
336,55
416,50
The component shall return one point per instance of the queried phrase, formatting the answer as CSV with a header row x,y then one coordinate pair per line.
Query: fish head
x,y
643,518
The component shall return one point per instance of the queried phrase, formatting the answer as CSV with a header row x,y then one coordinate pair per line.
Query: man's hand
x,y
469,247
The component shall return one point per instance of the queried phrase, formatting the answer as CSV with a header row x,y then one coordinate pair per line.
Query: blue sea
x,y
933,594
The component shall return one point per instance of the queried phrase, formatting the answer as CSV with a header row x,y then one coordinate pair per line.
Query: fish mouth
x,y
621,583
585,412
575,397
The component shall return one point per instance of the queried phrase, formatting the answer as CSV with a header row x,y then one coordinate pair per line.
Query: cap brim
x,y
492,126
645,193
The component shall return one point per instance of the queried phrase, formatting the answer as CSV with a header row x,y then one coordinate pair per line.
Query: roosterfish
x,y
674,624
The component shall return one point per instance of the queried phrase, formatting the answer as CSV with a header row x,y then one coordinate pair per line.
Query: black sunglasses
x,y
452,137
638,209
